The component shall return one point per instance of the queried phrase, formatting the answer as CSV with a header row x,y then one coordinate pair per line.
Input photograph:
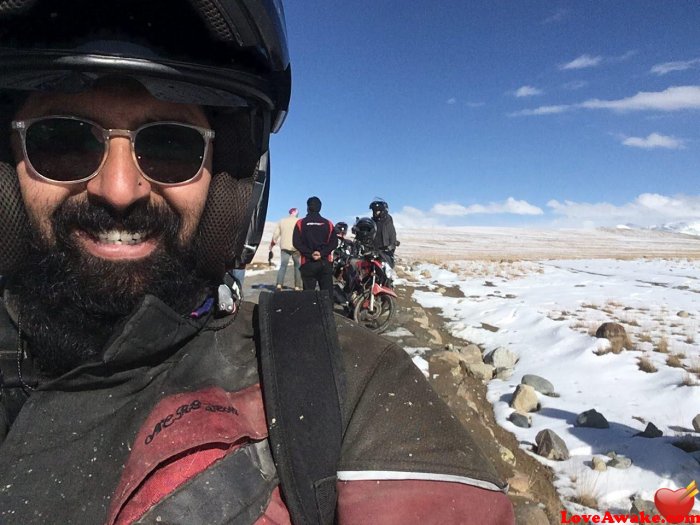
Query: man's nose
x,y
119,182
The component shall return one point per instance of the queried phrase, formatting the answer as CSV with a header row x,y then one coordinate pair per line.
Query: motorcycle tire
x,y
379,319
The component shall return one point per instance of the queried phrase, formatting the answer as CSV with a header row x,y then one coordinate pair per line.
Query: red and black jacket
x,y
315,233
169,427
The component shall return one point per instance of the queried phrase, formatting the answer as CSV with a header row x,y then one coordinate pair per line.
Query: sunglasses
x,y
68,150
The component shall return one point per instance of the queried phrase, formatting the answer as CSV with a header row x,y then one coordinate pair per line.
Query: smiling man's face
x,y
99,246
119,186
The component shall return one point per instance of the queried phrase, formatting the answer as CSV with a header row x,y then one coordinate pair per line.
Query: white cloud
x,y
671,99
542,110
621,58
558,16
654,140
410,217
510,205
451,100
444,213
681,65
646,210
527,91
582,62
675,98
575,84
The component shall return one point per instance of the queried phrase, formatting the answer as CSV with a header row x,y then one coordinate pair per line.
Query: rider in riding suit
x,y
344,245
385,238
135,159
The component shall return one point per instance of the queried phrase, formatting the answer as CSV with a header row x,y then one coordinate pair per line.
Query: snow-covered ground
x,y
441,244
547,313
547,291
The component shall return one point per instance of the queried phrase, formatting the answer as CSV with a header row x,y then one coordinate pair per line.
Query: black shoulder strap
x,y
303,387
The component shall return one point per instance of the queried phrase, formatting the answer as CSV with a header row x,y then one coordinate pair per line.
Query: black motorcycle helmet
x,y
229,57
379,208
341,229
364,230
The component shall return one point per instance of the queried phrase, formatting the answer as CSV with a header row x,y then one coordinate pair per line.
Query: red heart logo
x,y
674,505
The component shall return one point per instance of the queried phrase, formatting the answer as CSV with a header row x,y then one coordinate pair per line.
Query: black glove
x,y
269,258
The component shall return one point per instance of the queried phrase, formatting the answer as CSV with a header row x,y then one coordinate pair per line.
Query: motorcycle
x,y
364,285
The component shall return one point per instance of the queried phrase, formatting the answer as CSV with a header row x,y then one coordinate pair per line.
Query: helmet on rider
x,y
364,230
379,208
341,229
230,58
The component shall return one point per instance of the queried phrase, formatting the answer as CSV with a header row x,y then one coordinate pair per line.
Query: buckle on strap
x,y
16,371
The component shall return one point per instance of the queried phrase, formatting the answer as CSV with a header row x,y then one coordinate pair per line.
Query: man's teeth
x,y
120,237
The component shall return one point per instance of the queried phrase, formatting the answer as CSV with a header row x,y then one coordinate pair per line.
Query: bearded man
x,y
129,373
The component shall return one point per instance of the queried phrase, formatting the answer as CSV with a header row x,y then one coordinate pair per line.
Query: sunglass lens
x,y
64,150
169,153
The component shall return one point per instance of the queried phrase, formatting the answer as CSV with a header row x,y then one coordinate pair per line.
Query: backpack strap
x,y
303,387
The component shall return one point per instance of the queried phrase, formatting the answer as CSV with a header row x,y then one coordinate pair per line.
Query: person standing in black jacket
x,y
385,239
315,239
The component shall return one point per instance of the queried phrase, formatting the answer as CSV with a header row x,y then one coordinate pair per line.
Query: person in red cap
x,y
282,235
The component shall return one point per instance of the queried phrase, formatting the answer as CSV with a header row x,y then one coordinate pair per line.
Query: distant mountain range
x,y
686,228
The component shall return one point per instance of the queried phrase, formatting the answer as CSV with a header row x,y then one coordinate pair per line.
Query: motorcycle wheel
x,y
377,319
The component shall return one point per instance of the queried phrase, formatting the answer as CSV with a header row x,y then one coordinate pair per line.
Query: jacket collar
x,y
148,336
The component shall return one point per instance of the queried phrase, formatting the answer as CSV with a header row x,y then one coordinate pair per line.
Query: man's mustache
x,y
144,217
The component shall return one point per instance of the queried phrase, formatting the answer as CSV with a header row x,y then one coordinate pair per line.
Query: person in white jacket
x,y
283,236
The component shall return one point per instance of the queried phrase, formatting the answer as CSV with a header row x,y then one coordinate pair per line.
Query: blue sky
x,y
493,113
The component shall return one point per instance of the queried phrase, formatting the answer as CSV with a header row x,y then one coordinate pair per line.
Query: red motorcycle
x,y
364,286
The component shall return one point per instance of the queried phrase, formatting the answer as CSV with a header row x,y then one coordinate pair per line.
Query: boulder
x,y
471,354
520,420
683,314
503,373
451,358
520,483
620,462
506,455
501,358
489,327
640,505
615,333
551,446
480,371
538,383
599,464
650,432
447,362
529,514
696,423
591,419
524,399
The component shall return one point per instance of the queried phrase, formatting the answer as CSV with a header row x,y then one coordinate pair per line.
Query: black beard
x,y
70,301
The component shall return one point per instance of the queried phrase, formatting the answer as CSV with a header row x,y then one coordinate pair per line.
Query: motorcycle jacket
x,y
169,427
315,233
385,239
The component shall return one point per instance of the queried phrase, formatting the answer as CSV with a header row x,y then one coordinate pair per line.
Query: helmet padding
x,y
14,224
